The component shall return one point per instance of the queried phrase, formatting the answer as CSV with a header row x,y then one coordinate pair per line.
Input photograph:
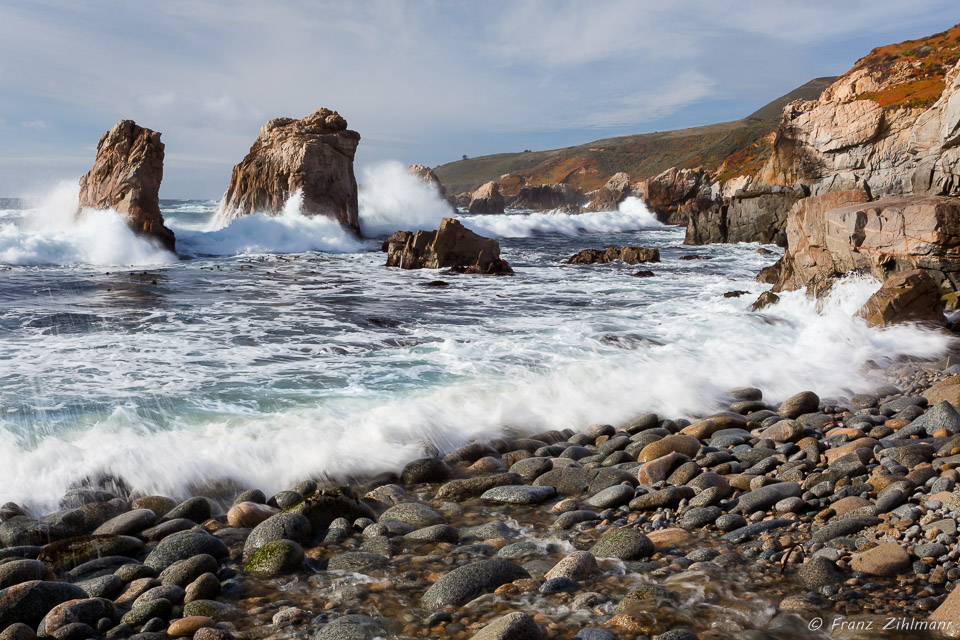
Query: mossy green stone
x,y
275,559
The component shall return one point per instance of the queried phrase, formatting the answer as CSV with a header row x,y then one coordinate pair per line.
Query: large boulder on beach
x,y
313,155
486,199
126,177
451,245
908,296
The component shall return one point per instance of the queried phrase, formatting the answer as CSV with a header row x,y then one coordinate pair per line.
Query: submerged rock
x,y
313,155
513,626
126,177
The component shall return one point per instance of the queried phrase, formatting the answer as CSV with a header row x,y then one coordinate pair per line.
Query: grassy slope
x,y
644,155
911,73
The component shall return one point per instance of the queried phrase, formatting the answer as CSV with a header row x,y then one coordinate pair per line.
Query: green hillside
x,y
588,166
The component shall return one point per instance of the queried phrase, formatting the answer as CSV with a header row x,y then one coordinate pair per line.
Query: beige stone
x,y
126,177
313,155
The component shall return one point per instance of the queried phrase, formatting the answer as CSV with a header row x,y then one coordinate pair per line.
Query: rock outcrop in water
x,y
313,155
629,255
486,199
610,195
126,176
451,245
549,197
426,175
746,212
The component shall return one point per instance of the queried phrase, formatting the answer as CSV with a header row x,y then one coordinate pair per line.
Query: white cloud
x,y
36,125
426,81
644,106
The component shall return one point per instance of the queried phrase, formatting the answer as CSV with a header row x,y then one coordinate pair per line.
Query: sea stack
x,y
314,155
126,176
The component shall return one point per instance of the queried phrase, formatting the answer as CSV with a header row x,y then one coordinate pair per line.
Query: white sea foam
x,y
259,233
391,200
51,233
562,378
632,215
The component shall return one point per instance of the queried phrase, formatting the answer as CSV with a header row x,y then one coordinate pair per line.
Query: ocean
x,y
280,348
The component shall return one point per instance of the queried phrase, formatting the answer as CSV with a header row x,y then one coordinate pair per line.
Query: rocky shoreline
x,y
751,523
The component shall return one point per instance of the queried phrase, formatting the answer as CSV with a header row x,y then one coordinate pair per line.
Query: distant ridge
x,y
644,155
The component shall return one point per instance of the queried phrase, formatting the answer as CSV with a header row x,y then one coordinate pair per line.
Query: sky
x,y
422,81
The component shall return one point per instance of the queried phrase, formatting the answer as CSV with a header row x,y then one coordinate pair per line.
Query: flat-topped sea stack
x,y
451,245
313,155
126,176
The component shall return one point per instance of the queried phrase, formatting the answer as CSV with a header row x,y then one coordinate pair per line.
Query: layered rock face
x,y
486,199
548,197
844,138
451,245
839,232
674,194
751,213
126,176
314,155
609,196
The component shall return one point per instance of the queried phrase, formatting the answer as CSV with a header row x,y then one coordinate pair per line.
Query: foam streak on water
x,y
264,366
